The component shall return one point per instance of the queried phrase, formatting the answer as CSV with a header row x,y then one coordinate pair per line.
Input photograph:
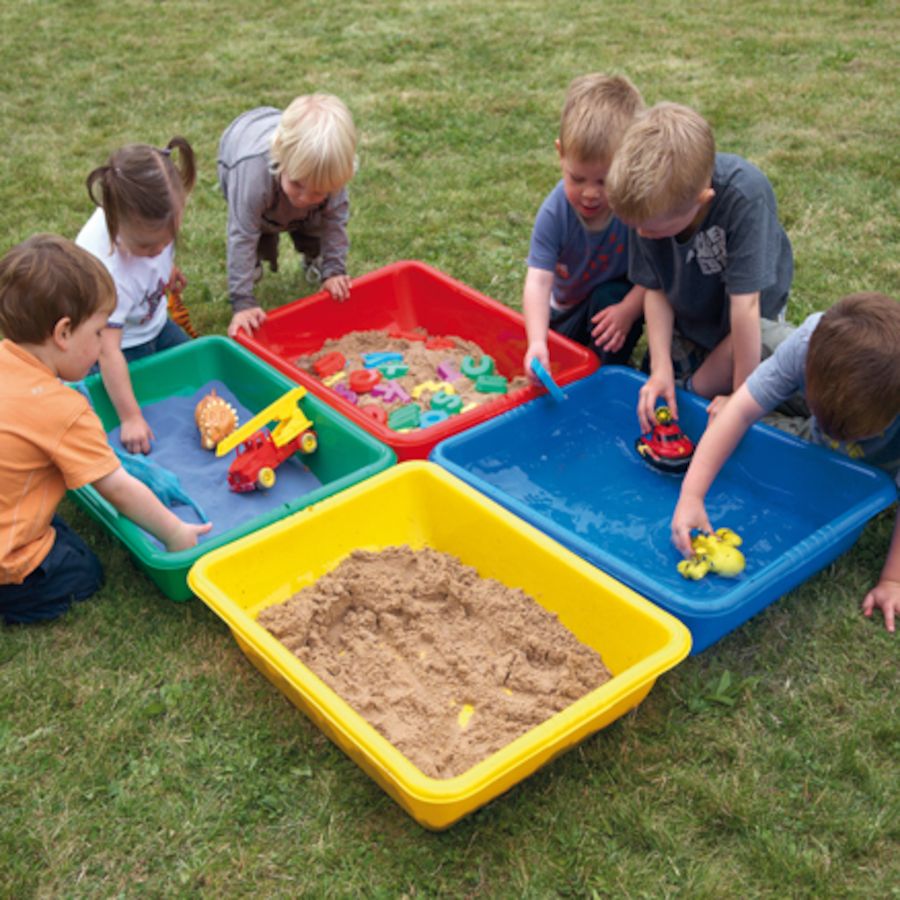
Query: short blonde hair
x,y
596,114
665,161
316,141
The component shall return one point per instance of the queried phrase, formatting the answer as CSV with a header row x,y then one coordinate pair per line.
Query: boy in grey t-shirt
x,y
709,249
847,363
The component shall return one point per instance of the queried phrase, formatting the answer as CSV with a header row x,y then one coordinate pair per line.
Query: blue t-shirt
x,y
579,259
739,248
784,373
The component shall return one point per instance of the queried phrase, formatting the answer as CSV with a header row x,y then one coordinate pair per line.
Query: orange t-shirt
x,y
50,441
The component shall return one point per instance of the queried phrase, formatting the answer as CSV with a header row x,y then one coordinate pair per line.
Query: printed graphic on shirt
x,y
562,270
146,309
602,258
708,248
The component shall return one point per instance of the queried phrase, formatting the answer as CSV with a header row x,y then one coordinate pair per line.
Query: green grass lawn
x,y
141,754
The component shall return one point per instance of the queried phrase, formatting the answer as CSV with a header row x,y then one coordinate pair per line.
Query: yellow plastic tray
x,y
419,504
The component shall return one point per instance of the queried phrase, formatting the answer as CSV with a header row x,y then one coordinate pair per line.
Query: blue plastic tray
x,y
571,469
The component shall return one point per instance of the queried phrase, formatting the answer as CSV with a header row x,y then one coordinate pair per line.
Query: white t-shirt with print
x,y
141,282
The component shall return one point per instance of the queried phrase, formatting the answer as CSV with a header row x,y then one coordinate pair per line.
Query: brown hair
x,y
47,278
597,111
144,183
853,366
664,162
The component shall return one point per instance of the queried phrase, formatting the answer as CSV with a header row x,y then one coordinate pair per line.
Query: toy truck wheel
x,y
266,478
309,442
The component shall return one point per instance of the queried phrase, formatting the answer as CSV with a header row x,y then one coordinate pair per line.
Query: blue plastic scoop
x,y
546,379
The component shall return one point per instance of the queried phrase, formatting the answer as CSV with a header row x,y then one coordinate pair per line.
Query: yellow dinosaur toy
x,y
717,553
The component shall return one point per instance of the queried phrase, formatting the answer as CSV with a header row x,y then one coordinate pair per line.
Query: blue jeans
x,y
171,336
70,572
576,323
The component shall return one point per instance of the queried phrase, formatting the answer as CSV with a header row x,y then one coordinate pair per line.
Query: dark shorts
x,y
308,245
69,573
575,323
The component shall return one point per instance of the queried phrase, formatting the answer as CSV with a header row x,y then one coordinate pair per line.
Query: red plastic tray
x,y
408,295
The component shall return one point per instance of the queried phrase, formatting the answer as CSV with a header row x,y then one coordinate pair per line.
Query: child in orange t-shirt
x,y
55,299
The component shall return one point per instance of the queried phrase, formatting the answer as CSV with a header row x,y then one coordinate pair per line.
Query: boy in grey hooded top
x,y
286,172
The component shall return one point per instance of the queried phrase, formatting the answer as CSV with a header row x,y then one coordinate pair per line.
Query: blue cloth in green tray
x,y
204,475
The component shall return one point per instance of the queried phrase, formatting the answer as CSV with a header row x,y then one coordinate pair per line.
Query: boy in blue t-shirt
x,y
710,250
846,363
578,261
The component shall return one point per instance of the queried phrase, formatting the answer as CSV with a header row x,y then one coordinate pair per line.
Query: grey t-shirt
x,y
257,205
781,375
739,248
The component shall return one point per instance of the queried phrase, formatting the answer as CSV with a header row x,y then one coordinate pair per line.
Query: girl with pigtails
x,y
140,195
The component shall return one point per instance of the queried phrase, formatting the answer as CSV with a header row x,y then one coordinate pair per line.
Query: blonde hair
x,y
315,141
664,162
597,111
144,184
47,278
852,372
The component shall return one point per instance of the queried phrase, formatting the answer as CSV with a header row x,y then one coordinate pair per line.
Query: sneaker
x,y
313,269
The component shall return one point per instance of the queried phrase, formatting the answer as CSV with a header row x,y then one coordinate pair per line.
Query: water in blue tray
x,y
203,475
587,478
572,470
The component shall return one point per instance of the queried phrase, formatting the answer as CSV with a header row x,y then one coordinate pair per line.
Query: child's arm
x,y
660,319
746,337
136,434
722,373
335,245
722,435
536,309
886,594
250,192
136,501
612,323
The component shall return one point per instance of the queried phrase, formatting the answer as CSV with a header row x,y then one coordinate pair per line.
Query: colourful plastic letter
x,y
432,417
375,412
329,363
363,380
447,371
345,392
446,402
490,384
473,370
373,360
404,417
389,391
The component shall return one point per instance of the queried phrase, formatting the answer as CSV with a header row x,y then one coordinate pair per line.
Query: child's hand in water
x,y
690,514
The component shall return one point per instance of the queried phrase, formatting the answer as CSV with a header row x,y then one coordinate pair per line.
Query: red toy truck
x,y
259,451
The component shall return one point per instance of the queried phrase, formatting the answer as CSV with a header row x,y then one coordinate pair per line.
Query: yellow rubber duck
x,y
717,553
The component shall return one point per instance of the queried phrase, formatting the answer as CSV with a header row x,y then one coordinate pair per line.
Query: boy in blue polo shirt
x,y
578,261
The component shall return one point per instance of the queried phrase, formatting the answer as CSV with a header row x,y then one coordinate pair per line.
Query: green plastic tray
x,y
346,453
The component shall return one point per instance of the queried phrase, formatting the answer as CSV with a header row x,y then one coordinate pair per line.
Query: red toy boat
x,y
666,447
